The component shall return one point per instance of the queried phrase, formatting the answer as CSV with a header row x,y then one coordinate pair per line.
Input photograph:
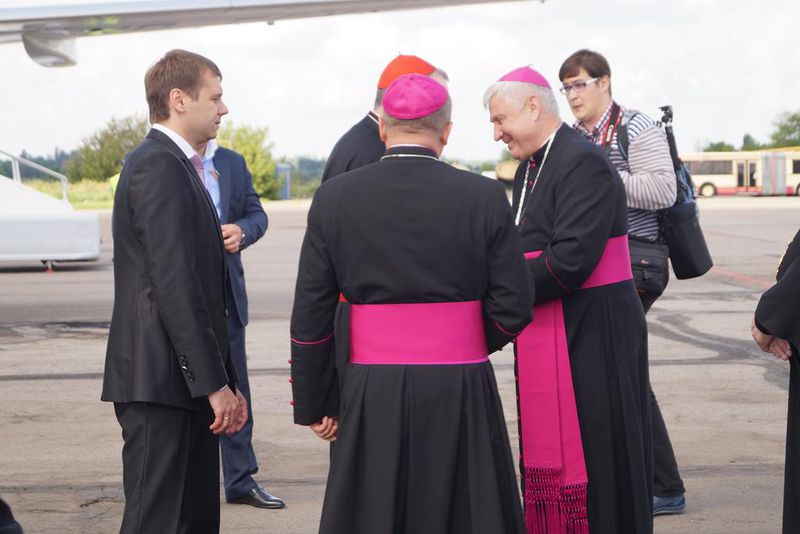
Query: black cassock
x,y
778,313
420,448
578,204
359,146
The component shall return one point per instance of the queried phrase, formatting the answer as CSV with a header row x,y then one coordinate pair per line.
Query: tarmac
x,y
724,401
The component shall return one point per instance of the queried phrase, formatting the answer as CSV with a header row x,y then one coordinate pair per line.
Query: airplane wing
x,y
48,32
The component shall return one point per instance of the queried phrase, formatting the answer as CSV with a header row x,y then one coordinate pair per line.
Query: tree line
x,y
786,133
101,156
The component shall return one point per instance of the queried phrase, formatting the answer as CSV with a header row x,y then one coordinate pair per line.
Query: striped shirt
x,y
647,173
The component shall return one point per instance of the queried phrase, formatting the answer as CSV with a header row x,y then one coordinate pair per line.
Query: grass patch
x,y
94,195
83,195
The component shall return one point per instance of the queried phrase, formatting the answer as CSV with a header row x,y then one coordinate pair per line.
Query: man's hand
x,y
326,429
780,348
762,340
232,236
226,408
241,414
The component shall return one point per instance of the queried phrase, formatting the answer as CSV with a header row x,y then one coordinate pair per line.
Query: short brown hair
x,y
592,62
178,69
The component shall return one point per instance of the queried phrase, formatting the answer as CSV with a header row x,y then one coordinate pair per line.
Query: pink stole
x,y
552,451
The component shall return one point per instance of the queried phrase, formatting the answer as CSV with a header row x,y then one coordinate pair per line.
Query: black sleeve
x,y
160,194
314,380
509,299
778,309
586,203
354,150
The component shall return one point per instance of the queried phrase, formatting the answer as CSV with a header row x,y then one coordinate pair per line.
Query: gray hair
x,y
521,92
434,123
436,73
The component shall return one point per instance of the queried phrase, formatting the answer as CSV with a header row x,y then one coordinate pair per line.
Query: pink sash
x,y
552,451
430,333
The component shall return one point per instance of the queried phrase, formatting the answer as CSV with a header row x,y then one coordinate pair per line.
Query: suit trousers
x,y
238,457
667,480
170,469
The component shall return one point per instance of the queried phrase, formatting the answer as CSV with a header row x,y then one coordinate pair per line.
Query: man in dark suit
x,y
168,369
244,222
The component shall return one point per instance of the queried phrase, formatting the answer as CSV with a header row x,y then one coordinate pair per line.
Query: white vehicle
x,y
36,226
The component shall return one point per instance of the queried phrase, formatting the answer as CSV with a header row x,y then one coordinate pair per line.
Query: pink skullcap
x,y
413,96
525,74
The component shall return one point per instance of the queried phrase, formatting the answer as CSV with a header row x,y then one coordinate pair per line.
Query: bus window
x,y
709,167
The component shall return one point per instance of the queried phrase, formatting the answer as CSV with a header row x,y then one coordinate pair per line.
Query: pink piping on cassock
x,y
428,333
320,342
554,467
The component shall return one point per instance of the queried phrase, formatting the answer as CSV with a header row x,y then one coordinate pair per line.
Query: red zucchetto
x,y
404,65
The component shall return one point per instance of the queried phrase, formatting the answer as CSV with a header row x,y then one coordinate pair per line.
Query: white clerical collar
x,y
182,143
409,144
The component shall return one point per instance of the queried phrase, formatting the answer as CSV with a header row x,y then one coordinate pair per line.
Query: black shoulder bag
x,y
649,259
680,223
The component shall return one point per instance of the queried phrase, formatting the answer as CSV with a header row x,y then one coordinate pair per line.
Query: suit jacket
x,y
168,342
360,146
240,205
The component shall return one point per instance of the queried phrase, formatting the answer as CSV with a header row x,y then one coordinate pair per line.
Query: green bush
x,y
100,155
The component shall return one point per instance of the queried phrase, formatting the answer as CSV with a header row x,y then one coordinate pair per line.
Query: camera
x,y
666,119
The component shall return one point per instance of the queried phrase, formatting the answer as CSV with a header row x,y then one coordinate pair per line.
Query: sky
x,y
728,67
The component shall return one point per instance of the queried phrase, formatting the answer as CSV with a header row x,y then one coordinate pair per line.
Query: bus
x,y
757,172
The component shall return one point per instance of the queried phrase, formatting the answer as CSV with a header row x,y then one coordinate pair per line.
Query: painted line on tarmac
x,y
742,278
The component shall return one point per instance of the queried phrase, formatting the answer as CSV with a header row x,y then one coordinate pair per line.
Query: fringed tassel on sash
x,y
542,499
551,508
573,508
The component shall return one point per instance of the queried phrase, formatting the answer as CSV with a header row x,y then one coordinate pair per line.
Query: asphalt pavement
x,y
724,401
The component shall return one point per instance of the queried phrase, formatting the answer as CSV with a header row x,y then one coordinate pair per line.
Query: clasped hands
x,y
776,346
230,411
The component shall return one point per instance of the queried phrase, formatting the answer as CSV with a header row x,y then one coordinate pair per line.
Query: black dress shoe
x,y
259,498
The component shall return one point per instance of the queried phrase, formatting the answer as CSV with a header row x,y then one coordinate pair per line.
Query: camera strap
x,y
613,124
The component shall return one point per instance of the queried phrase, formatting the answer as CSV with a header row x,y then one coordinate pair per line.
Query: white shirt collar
x,y
211,149
182,143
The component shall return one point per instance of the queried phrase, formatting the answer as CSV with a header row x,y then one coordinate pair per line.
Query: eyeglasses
x,y
578,86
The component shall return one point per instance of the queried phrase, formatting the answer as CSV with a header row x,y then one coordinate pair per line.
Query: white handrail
x,y
17,176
